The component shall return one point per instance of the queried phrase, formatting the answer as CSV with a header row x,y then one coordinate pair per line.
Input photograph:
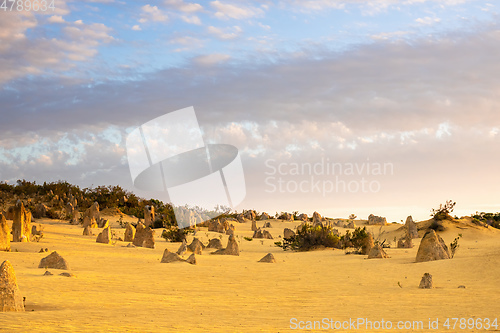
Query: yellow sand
x,y
121,289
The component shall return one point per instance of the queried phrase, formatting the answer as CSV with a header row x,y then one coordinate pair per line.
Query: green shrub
x,y
443,212
309,237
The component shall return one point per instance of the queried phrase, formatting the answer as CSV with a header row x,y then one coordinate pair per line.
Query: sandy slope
x,y
120,289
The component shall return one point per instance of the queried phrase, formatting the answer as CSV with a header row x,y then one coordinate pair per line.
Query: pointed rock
x,y
129,233
317,220
411,227
21,225
4,234
377,252
87,231
191,259
10,296
254,225
170,257
183,248
140,234
149,239
196,246
149,216
53,260
432,247
105,236
268,258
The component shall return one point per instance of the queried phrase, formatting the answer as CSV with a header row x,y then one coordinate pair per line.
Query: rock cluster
x,y
286,217
259,233
264,216
372,219
232,248
214,243
169,257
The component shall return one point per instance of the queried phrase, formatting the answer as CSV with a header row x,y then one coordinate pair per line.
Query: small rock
x,y
183,248
461,286
268,258
191,259
67,274
47,273
215,243
426,282
53,260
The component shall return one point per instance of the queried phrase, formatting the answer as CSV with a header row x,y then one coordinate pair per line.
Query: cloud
x,y
211,59
427,20
407,104
136,28
193,19
226,11
21,55
184,7
188,43
152,14
225,34
56,19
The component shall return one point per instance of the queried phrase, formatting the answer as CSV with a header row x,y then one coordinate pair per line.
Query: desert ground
x,y
122,289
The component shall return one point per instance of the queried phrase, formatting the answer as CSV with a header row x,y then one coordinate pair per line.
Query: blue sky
x,y
408,82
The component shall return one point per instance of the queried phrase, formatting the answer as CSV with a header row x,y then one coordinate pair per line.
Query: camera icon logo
x,y
168,154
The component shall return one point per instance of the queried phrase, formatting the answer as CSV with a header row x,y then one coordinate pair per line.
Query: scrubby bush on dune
x,y
488,218
172,233
443,212
357,240
310,237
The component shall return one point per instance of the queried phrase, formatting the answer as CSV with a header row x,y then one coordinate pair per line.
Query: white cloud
x,y
152,14
188,43
427,20
192,19
211,59
136,28
56,19
182,6
229,11
228,33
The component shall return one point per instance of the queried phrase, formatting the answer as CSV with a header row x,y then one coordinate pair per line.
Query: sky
x,y
386,107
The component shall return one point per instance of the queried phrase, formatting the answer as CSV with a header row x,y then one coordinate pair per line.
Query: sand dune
x,y
122,289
